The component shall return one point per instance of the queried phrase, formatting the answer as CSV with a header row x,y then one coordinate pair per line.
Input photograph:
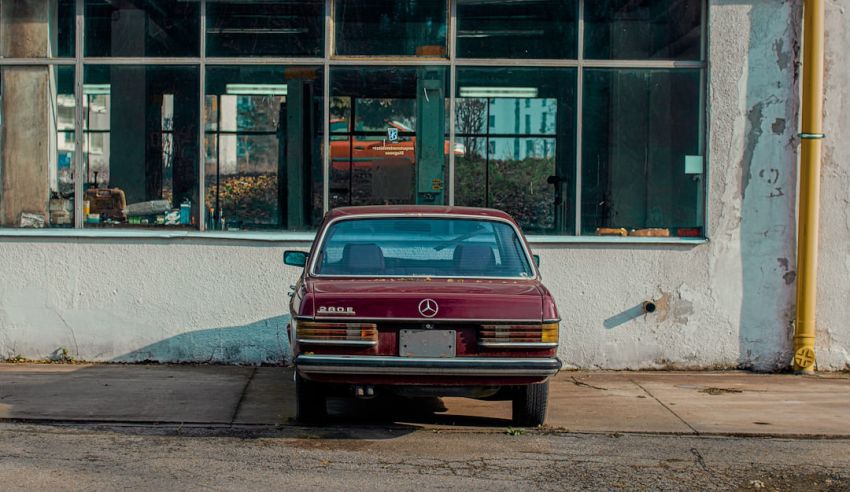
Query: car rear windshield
x,y
434,247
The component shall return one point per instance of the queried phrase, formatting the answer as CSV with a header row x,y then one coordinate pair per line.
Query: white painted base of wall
x,y
219,301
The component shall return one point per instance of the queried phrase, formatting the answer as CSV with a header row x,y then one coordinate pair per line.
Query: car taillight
x,y
362,334
519,336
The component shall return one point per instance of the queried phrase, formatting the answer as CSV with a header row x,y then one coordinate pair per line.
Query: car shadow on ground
x,y
390,410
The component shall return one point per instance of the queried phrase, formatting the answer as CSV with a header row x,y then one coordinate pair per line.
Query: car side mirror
x,y
295,258
536,260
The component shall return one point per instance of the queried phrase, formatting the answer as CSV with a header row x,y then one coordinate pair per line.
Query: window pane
x,y
268,28
388,135
378,27
517,29
516,130
141,146
37,151
642,165
142,28
263,147
642,29
33,29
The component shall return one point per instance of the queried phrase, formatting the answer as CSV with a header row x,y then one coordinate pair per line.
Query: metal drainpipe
x,y
810,162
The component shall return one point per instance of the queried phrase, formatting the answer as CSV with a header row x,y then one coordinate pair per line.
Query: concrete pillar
x,y
26,31
128,115
26,98
24,174
128,124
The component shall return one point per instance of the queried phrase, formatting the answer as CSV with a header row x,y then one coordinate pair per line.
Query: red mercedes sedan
x,y
422,301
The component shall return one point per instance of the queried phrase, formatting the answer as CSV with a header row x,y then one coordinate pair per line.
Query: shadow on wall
x,y
624,317
261,342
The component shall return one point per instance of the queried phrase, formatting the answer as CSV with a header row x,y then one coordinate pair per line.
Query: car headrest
x,y
363,258
474,257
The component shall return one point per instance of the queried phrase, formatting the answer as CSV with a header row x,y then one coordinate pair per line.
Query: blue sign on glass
x,y
64,160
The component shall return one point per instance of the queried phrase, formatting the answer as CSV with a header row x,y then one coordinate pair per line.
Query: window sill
x,y
308,237
159,234
692,241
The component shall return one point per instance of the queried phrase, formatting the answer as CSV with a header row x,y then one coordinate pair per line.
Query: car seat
x,y
474,259
363,259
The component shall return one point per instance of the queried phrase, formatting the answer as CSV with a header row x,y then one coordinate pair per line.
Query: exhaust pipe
x,y
364,391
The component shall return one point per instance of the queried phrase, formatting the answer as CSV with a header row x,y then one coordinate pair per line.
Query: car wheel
x,y
310,401
529,404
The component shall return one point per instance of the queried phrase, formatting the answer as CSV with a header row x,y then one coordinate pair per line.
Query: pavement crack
x,y
582,383
665,406
698,459
242,395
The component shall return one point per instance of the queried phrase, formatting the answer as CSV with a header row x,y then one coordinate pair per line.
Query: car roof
x,y
418,210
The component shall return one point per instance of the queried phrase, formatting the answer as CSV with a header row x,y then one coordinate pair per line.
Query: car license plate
x,y
427,343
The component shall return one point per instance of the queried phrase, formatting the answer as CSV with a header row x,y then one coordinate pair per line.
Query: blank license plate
x,y
427,343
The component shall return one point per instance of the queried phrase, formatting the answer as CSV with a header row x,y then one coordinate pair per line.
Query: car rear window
x,y
434,247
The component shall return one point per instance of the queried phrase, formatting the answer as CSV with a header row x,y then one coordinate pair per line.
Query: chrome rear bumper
x,y
427,366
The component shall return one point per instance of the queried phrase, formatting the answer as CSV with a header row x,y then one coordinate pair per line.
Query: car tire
x,y
310,401
529,404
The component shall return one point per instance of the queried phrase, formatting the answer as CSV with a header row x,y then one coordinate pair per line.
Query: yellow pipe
x,y
810,160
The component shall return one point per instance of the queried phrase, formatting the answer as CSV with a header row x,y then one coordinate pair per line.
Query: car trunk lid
x,y
423,299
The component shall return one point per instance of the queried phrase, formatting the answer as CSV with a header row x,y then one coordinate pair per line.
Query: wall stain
x,y
672,306
755,116
778,126
790,277
783,58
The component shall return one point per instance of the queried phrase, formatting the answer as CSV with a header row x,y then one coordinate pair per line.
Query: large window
x,y
643,29
141,141
142,28
517,129
525,29
388,142
642,166
577,117
268,28
263,165
382,28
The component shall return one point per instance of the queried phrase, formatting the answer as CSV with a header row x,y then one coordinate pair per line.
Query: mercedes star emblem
x,y
428,308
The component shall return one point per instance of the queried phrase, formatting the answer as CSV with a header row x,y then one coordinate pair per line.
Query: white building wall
x,y
725,303
833,307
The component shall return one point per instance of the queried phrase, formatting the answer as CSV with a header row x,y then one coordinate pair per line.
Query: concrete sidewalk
x,y
651,402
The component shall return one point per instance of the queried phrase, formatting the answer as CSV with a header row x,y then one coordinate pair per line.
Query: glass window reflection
x,y
268,28
381,28
517,29
516,129
263,167
142,28
388,135
141,136
643,29
642,163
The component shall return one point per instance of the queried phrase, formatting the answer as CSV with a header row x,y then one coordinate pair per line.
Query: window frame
x,y
328,60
